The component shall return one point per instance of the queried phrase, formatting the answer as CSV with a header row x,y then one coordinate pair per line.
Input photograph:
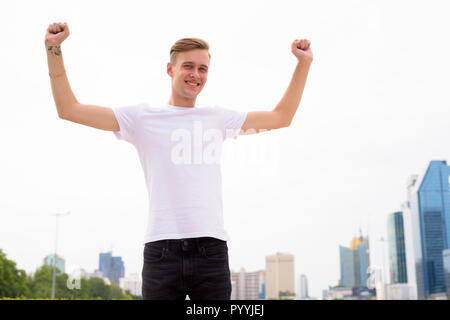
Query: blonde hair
x,y
187,44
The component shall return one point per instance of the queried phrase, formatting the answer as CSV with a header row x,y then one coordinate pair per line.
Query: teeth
x,y
192,83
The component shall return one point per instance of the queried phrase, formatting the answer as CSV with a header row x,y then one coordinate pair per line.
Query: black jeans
x,y
197,267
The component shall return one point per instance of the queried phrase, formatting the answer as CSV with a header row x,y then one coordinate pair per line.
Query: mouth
x,y
192,84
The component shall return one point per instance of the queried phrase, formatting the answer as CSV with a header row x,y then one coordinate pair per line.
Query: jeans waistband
x,y
187,244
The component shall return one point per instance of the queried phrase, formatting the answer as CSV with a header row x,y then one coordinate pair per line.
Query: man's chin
x,y
191,95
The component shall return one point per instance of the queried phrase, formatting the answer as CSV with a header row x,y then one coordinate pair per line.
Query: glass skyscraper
x,y
446,259
354,263
396,240
347,267
51,260
427,228
111,267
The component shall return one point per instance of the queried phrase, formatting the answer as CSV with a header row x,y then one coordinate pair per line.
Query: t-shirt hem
x,y
176,236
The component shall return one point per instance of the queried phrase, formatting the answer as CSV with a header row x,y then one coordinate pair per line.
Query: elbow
x,y
286,123
60,111
62,115
282,121
64,111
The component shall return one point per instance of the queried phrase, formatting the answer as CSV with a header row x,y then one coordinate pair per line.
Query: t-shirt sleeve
x,y
231,121
129,122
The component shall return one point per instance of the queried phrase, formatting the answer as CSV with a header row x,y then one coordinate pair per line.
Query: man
x,y
179,147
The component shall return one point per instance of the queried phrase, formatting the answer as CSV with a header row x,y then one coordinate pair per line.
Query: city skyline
x,y
427,229
354,244
374,111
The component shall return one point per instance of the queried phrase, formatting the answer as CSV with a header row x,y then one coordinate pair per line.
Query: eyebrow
x,y
192,62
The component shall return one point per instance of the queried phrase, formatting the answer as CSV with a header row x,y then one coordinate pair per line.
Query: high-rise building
x,y
60,263
280,278
446,259
427,228
302,287
396,242
262,285
413,246
104,263
354,262
347,267
248,285
111,267
360,248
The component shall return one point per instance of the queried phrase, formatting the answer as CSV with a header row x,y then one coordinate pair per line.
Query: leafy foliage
x,y
12,280
15,283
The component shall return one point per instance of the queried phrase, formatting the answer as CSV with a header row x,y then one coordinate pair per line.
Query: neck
x,y
181,102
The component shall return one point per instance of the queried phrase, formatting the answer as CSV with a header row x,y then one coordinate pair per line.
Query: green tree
x,y
285,295
98,289
12,280
133,297
15,283
118,294
41,283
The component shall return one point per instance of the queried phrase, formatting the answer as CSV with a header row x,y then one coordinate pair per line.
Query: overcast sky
x,y
374,111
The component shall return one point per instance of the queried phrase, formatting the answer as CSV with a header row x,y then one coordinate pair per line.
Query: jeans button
x,y
185,244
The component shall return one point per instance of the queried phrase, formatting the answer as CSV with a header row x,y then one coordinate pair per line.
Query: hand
x,y
56,34
302,50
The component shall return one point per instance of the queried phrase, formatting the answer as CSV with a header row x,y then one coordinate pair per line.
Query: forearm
x,y
291,99
62,93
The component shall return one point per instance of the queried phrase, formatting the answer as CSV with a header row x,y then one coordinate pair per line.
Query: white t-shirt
x,y
179,149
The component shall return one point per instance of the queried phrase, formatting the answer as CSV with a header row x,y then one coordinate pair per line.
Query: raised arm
x,y
282,115
67,105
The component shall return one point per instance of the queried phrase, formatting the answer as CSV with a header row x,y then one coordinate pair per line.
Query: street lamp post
x,y
57,215
385,279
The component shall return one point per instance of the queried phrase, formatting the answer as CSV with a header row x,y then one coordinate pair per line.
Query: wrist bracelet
x,y
56,76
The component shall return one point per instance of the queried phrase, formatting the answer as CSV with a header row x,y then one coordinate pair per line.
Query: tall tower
x,y
111,267
248,285
413,246
51,260
279,275
354,262
396,242
302,290
429,228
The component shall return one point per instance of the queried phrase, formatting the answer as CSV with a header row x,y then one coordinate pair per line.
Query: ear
x,y
169,70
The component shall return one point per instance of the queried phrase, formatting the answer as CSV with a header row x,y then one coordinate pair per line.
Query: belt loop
x,y
167,244
199,245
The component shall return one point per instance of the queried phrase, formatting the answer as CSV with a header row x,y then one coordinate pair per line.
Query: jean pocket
x,y
154,253
216,252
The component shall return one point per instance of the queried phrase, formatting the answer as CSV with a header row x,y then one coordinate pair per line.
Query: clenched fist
x,y
302,50
56,34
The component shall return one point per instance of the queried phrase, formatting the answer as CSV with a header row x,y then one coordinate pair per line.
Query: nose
x,y
194,75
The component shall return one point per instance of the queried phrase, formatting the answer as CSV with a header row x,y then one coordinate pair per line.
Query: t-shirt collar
x,y
177,107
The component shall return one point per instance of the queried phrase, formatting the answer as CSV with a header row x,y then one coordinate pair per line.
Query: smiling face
x,y
189,75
